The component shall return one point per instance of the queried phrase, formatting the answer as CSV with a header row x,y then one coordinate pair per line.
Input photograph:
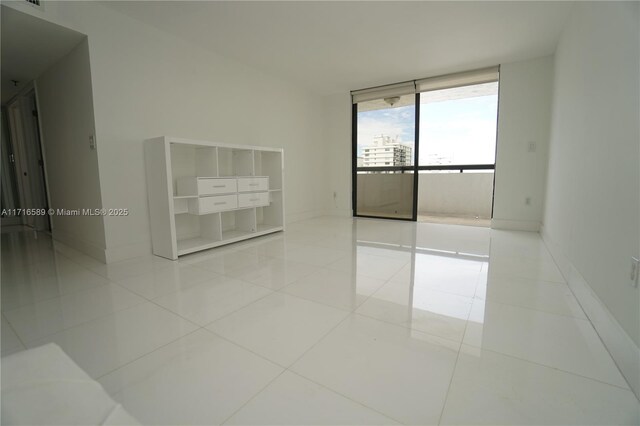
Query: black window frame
x,y
416,168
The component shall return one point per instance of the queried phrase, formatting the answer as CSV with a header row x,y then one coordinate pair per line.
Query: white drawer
x,y
253,184
219,203
253,200
217,186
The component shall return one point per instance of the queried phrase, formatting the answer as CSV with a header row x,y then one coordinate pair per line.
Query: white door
x,y
29,164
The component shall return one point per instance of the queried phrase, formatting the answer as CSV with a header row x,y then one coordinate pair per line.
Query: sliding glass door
x,y
406,134
385,157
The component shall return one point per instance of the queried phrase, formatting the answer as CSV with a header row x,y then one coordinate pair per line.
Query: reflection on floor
x,y
5,229
455,220
386,215
336,321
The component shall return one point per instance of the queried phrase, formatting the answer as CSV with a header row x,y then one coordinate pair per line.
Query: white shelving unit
x,y
204,194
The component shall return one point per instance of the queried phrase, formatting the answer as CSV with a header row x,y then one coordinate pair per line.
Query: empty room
x,y
320,212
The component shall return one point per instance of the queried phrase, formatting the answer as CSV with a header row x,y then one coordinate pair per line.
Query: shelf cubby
x,y
238,223
235,162
194,232
180,205
271,216
203,194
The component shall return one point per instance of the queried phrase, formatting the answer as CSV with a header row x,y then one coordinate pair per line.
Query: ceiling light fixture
x,y
391,101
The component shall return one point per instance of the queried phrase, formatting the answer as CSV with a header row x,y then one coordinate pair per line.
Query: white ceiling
x,y
339,46
29,46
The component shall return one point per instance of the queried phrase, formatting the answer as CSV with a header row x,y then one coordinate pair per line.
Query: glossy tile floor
x,y
336,321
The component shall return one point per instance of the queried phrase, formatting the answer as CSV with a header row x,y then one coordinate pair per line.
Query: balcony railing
x,y
467,191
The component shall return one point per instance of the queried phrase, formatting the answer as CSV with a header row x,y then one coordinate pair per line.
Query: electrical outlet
x,y
92,142
635,271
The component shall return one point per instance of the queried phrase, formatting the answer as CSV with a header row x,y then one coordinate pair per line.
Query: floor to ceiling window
x,y
425,150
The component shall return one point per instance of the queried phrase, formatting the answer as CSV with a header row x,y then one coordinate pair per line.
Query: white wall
x,y
523,117
337,138
66,116
592,212
148,83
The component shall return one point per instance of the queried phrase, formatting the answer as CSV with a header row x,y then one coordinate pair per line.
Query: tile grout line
x,y
61,295
254,396
502,275
528,361
198,327
143,355
199,284
426,333
241,307
14,331
349,314
324,336
555,314
455,365
226,339
345,396
350,311
83,322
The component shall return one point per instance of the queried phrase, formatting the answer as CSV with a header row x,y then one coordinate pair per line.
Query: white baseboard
x,y
564,264
79,244
297,217
516,225
339,213
622,348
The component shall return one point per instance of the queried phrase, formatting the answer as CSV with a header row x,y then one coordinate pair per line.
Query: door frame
x,y
355,169
19,116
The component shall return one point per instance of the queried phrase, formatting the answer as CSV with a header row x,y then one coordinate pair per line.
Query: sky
x,y
455,131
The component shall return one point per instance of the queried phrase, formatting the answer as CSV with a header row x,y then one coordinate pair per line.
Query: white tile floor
x,y
336,321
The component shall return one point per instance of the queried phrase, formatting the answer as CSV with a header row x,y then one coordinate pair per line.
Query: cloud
x,y
394,122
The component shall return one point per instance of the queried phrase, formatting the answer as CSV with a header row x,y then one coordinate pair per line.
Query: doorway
x,y
31,47
385,133
27,201
9,200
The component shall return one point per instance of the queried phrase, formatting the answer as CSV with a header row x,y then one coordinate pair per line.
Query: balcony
x,y
454,198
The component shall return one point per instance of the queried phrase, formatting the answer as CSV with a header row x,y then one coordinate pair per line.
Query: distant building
x,y
386,151
360,162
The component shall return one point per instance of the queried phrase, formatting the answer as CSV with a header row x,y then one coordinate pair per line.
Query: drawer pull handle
x,y
221,203
219,186
253,184
254,199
